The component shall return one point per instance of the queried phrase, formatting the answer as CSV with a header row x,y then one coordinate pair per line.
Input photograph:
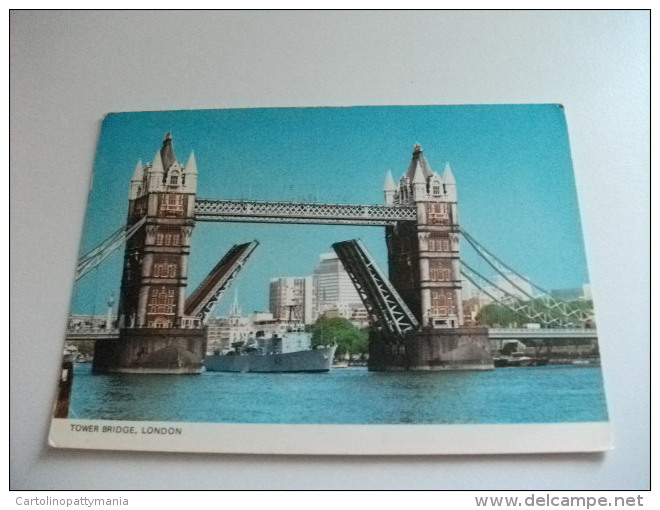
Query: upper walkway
x,y
301,212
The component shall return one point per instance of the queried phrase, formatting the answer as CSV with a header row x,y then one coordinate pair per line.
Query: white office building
x,y
335,294
291,298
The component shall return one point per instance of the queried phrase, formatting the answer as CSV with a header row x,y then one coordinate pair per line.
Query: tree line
x,y
339,331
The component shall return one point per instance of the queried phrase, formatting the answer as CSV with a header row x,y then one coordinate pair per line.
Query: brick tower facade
x,y
153,287
154,334
424,267
424,263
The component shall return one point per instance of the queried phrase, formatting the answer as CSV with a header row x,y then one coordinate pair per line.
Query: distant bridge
x,y
541,333
493,334
92,334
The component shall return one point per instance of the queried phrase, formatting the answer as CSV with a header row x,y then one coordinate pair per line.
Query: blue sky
x,y
512,165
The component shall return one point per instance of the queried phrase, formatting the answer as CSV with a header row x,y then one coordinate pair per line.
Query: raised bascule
x,y
415,310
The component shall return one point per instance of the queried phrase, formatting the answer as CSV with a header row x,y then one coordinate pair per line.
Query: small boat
x,y
518,359
70,354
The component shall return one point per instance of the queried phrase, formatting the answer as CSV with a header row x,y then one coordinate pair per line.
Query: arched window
x,y
161,322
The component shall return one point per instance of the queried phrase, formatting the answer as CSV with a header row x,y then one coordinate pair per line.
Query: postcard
x,y
362,280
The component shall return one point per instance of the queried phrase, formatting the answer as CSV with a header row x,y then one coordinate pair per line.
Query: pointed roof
x,y
418,157
418,176
389,182
158,163
167,152
191,166
139,171
448,176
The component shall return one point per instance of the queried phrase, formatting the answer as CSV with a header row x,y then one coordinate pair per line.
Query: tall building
x,y
155,275
424,261
335,293
291,298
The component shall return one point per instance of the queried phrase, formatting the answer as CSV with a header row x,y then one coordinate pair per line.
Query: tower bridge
x,y
416,308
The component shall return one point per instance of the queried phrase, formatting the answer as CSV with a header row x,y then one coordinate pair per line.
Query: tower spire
x,y
136,181
418,158
235,310
167,152
448,176
389,182
190,174
419,182
389,189
449,183
156,173
138,174
191,166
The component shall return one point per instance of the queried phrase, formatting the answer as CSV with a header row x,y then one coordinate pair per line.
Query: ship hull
x,y
316,360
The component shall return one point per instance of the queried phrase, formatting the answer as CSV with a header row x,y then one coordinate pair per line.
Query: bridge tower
x,y
424,262
424,268
155,335
153,287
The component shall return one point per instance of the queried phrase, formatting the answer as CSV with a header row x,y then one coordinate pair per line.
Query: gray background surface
x,y
68,69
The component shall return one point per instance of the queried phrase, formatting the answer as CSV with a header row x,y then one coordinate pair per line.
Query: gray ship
x,y
290,352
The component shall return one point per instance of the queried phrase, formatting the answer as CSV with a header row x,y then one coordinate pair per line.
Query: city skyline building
x,y
335,294
291,298
222,332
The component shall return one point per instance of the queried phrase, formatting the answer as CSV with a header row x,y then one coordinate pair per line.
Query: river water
x,y
346,396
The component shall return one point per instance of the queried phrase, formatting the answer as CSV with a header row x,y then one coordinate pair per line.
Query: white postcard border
x,y
331,439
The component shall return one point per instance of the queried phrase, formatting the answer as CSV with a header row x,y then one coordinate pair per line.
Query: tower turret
x,y
389,189
449,184
156,174
419,183
137,181
190,174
